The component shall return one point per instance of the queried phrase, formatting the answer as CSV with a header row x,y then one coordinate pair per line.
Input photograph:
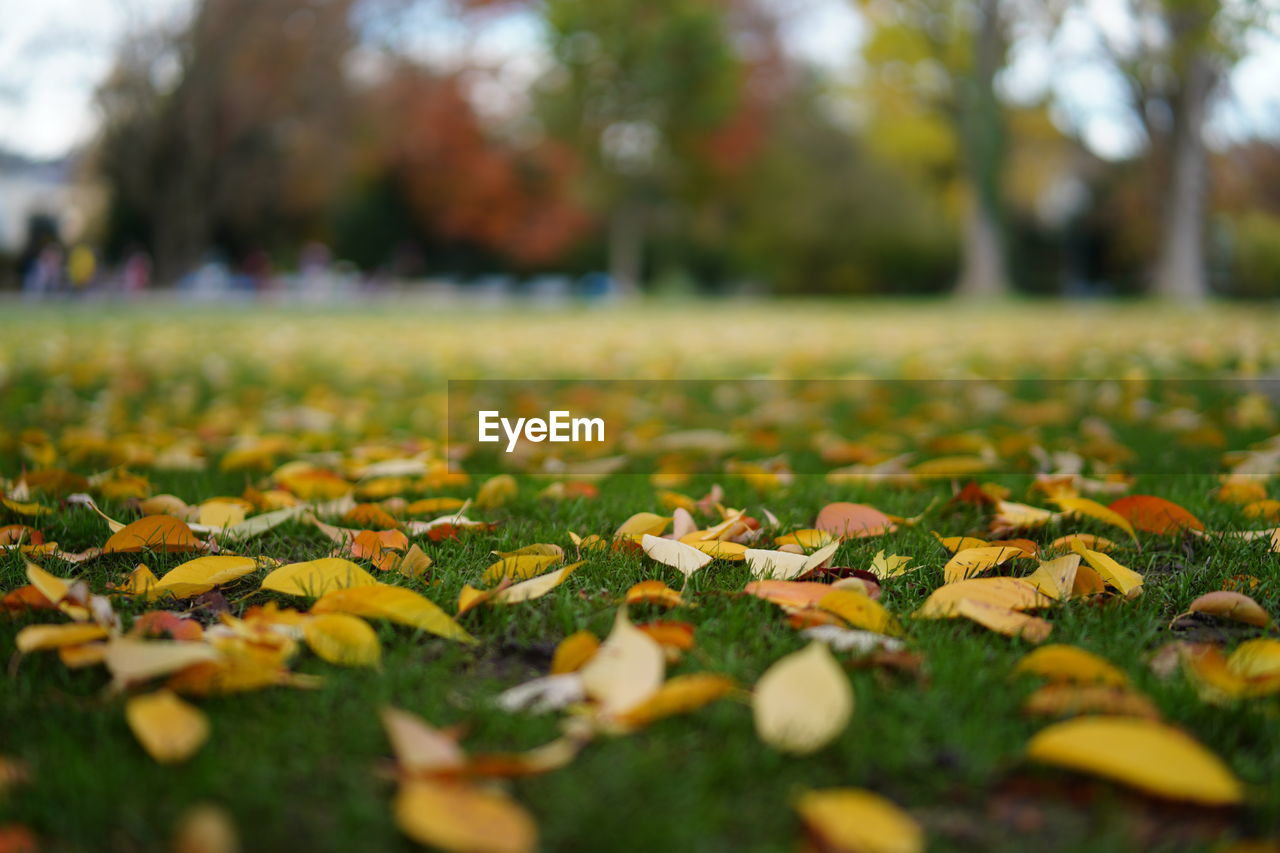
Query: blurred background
x,y
593,149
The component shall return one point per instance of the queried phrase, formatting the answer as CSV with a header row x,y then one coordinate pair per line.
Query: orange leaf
x,y
1155,515
155,533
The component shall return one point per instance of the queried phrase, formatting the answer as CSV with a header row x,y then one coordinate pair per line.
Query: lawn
x,y
202,402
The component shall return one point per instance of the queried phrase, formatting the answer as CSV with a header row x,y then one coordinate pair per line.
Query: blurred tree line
x,y
677,141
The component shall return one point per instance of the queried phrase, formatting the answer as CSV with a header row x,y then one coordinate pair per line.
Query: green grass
x,y
303,769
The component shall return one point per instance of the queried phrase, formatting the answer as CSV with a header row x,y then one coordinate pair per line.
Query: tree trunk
x,y
1180,273
983,273
626,248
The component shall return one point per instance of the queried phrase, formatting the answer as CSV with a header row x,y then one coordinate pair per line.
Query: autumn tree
x,y
1175,56
935,62
637,87
243,142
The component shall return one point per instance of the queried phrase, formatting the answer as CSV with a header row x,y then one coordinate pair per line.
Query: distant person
x,y
82,265
44,276
137,272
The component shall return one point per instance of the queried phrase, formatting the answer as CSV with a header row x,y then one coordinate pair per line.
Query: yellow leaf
x,y
1064,699
626,670
140,581
1010,593
414,563
1126,580
975,561
518,567
1231,605
680,695
221,514
574,651
38,638
1145,754
808,538
803,701
154,533
1095,510
342,639
169,729
496,491
395,604
642,523
534,587
720,549
1056,578
850,820
537,549
316,577
684,558
955,544
891,566
201,575
1060,662
461,818
1016,516
1258,658
131,660
1003,620
27,509
51,587
205,828
418,746
860,611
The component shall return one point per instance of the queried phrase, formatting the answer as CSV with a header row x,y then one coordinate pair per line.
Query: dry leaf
x,y
1231,605
313,578
626,670
153,533
169,729
574,651
803,701
849,820
1127,581
418,746
1155,515
975,561
342,639
1146,754
1060,662
201,575
463,819
395,604
684,558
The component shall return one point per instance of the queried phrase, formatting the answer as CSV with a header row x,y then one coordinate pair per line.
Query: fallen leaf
x,y
803,701
395,604
684,558
201,575
574,651
1095,510
1127,581
655,592
162,533
1155,515
860,611
1008,593
463,819
131,661
1061,662
534,587
313,578
518,567
37,638
854,521
1145,754
643,523
1065,699
679,695
850,820
626,670
418,746
975,561
169,729
342,639
1231,605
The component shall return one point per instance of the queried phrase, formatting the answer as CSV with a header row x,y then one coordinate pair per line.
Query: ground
x,y
87,389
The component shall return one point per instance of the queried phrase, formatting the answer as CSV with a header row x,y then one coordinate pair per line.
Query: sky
x,y
53,53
